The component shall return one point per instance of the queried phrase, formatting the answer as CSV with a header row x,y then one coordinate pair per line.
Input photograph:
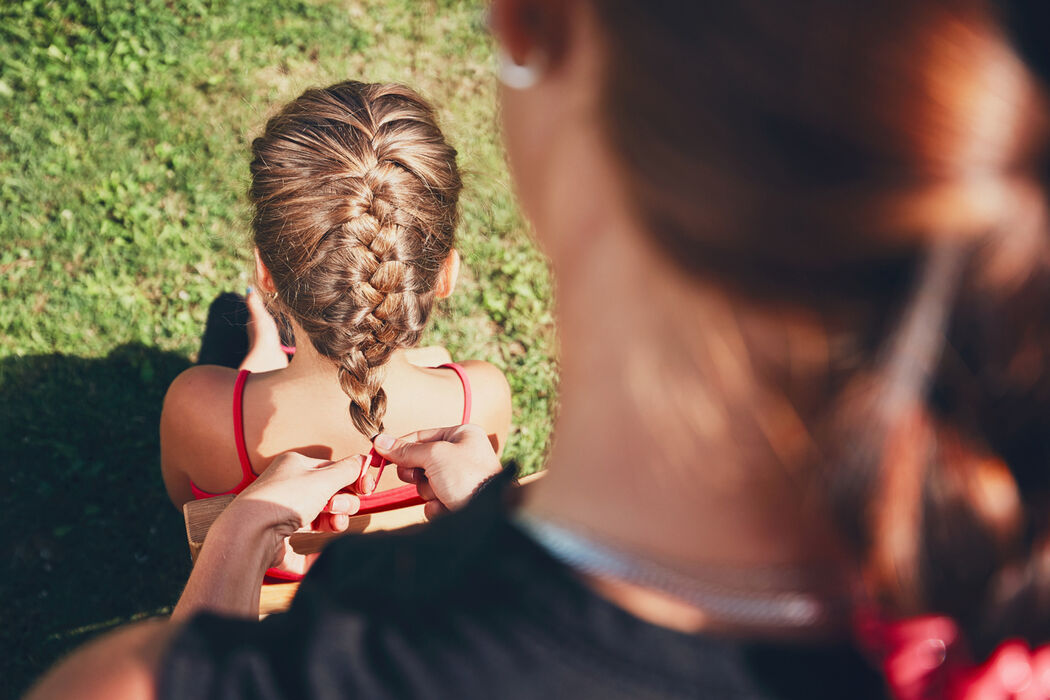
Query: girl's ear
x,y
262,275
447,276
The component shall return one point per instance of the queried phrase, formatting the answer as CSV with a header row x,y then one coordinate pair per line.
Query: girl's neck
x,y
310,365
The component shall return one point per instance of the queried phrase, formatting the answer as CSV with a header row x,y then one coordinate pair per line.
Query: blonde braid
x,y
355,192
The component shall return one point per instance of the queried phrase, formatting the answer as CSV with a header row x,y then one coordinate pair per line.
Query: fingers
x,y
469,432
295,460
413,475
433,509
410,475
330,522
426,491
366,483
343,503
427,435
338,522
412,450
336,515
343,472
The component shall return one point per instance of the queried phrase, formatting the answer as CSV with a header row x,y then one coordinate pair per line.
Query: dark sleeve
x,y
348,613
214,657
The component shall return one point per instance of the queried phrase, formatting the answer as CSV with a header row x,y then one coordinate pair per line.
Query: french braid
x,y
355,193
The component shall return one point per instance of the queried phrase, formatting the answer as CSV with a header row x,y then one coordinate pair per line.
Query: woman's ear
x,y
262,275
447,276
530,28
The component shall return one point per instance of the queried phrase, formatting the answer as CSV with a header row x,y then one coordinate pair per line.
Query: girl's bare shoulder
x,y
195,423
491,399
198,389
486,380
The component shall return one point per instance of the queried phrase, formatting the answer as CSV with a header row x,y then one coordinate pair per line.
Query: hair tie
x,y
926,657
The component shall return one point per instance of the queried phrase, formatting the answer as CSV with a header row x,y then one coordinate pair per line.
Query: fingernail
x,y
370,483
340,503
383,441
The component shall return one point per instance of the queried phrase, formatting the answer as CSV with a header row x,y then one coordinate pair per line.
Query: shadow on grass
x,y
90,538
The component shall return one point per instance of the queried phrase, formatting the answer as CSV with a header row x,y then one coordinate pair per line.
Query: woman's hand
x,y
296,491
446,464
252,533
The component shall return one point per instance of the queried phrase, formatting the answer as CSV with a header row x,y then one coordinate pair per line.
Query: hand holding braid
x,y
355,194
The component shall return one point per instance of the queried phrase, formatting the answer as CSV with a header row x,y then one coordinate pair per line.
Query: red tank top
x,y
372,503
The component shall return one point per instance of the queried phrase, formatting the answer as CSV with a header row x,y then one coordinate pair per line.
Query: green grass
x,y
123,166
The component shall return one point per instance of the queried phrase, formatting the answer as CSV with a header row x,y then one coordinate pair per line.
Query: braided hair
x,y
354,190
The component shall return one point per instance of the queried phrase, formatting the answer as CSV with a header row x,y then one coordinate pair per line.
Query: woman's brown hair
x,y
355,195
882,164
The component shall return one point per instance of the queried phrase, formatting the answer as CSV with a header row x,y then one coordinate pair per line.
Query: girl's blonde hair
x,y
355,193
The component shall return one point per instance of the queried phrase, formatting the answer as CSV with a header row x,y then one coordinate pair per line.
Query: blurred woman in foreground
x,y
801,254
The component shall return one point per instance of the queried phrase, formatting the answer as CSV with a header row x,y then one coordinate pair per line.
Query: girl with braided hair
x,y
355,192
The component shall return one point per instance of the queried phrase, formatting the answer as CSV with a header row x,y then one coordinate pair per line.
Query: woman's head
x,y
880,168
355,193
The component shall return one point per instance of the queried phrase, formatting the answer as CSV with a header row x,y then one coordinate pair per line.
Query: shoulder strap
x,y
465,380
247,472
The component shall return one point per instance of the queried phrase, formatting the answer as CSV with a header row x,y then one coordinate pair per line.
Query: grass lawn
x,y
124,127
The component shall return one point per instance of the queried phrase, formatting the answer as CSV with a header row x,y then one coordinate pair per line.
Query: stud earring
x,y
517,76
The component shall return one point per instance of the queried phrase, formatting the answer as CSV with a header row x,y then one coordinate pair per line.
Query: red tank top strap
x,y
465,380
247,474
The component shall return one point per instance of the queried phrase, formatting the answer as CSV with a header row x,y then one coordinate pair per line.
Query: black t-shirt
x,y
470,607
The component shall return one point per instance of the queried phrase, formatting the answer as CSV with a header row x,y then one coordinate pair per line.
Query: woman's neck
x,y
646,455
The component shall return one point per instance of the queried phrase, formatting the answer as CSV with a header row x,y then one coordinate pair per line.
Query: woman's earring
x,y
520,77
